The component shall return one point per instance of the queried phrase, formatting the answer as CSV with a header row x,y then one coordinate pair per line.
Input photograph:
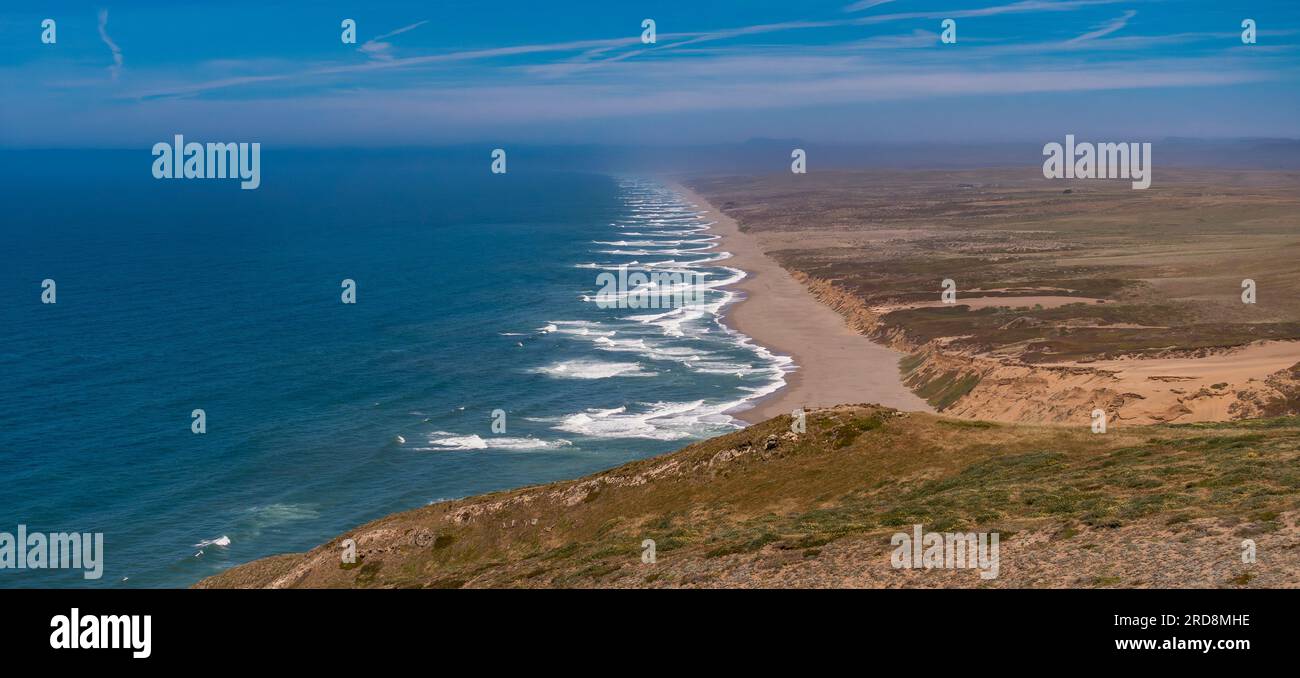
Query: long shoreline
x,y
834,364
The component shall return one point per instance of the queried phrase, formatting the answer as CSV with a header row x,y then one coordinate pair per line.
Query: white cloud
x,y
116,69
377,48
1107,28
865,4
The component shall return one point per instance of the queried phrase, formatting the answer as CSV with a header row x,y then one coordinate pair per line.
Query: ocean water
x,y
475,293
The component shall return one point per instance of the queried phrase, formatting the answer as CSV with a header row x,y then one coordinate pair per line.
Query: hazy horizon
x,y
822,71
754,156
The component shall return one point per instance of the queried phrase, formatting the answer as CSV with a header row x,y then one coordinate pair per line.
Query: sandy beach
x,y
835,364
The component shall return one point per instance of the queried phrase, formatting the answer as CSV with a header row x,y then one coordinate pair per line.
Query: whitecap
x,y
441,441
221,541
660,421
591,369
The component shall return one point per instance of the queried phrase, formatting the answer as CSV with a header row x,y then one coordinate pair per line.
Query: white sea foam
x,y
656,252
663,232
279,514
442,441
655,421
579,327
591,369
254,519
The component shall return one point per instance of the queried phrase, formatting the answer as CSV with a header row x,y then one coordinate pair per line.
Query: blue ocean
x,y
474,359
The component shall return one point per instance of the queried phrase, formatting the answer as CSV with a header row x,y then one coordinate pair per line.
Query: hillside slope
x,y
1165,505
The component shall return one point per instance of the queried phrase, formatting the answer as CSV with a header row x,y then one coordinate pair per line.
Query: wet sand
x,y
834,364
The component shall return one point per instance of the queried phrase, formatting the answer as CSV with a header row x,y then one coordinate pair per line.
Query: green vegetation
x,y
857,475
1062,333
939,388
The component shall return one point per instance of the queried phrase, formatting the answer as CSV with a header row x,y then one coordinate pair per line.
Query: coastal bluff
x,y
775,506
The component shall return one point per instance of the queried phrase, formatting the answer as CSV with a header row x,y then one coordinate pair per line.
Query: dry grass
x,y
1168,261
817,509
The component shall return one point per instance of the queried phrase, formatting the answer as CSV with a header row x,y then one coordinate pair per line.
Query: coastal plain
x,y
1070,296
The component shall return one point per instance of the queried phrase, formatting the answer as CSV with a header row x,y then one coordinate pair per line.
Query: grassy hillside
x,y
1161,505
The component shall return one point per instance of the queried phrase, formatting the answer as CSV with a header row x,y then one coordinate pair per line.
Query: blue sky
x,y
428,73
